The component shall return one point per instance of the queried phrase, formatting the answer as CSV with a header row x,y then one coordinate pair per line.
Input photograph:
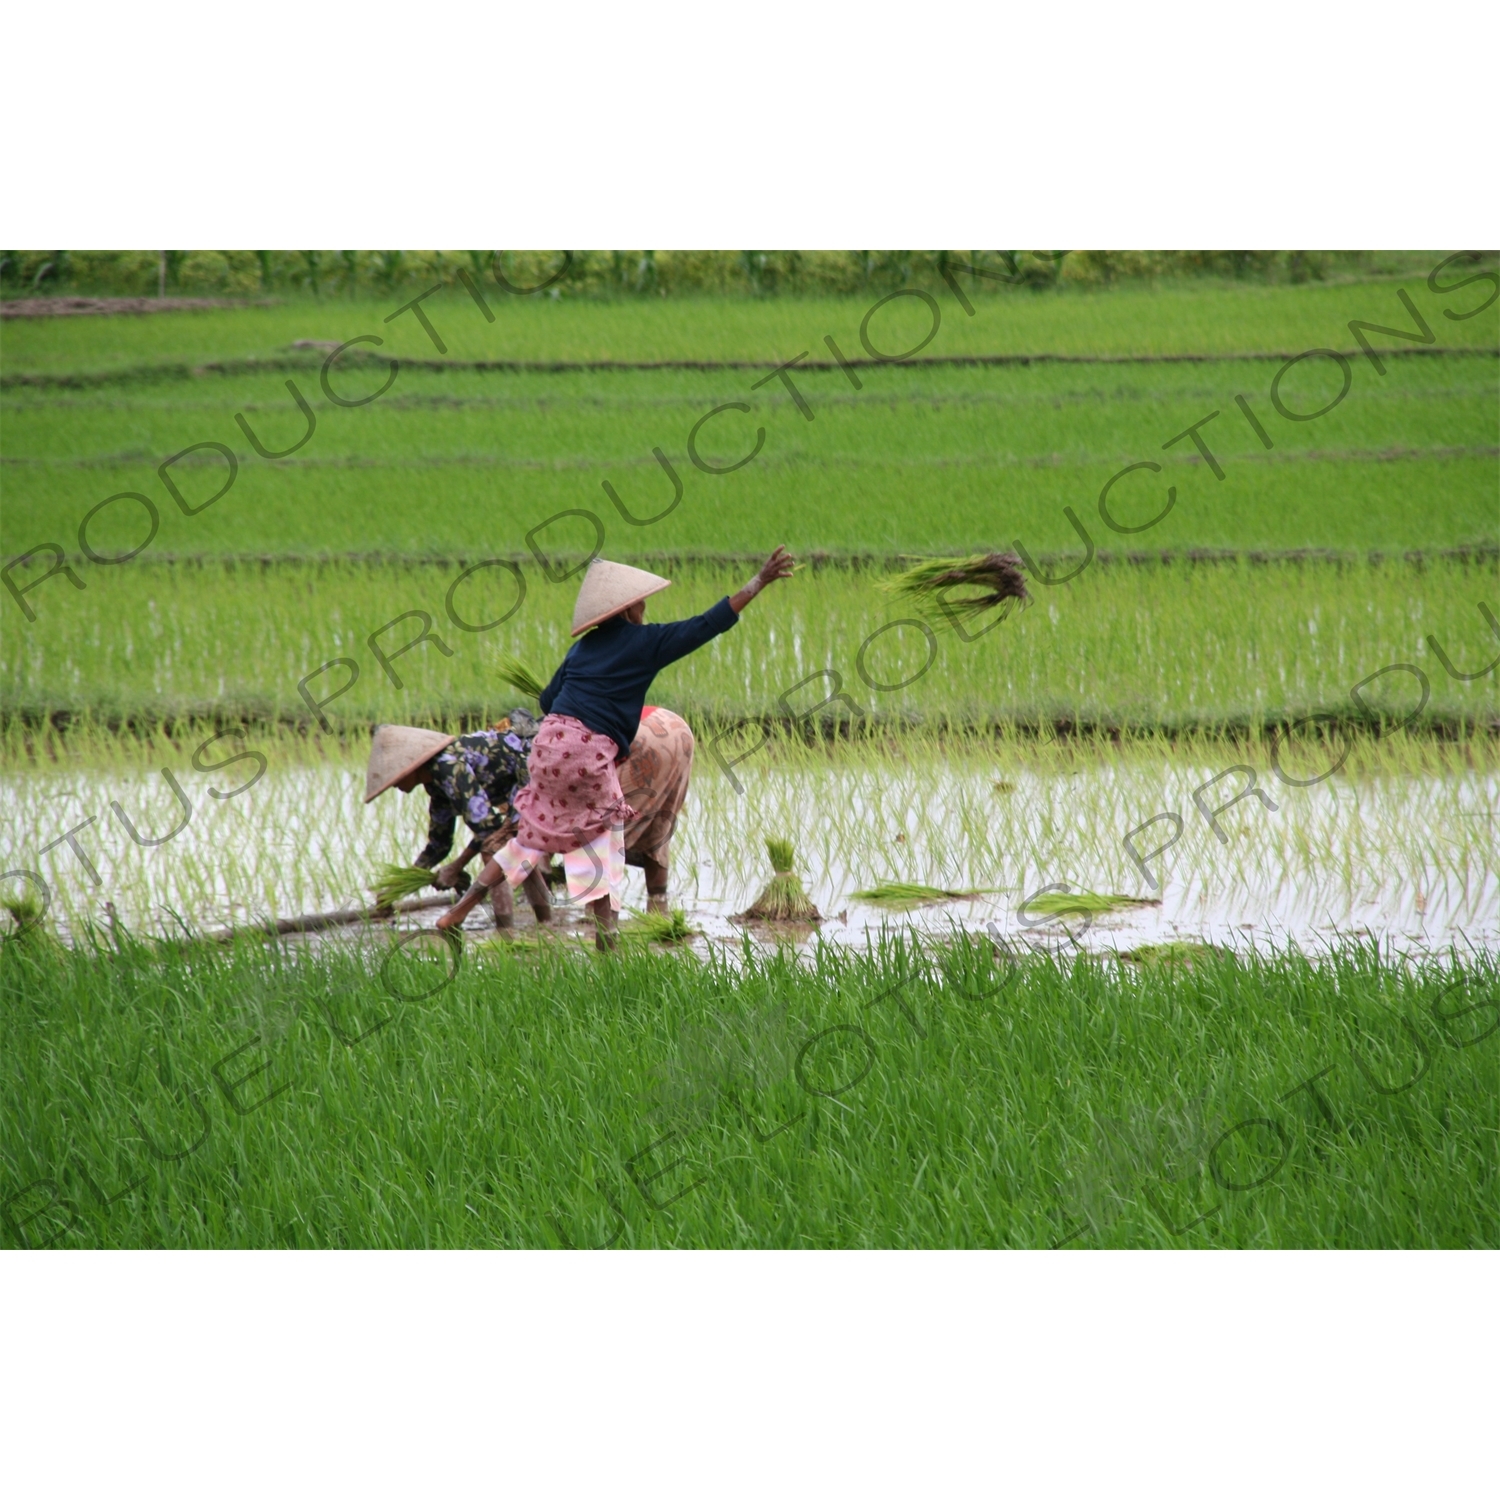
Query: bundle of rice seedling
x,y
996,576
1082,903
513,671
901,893
395,883
657,927
26,912
1156,954
783,900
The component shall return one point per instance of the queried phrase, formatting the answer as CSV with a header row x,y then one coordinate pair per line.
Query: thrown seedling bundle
x,y
783,900
986,581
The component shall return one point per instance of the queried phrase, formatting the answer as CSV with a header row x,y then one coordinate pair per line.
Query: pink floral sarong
x,y
573,794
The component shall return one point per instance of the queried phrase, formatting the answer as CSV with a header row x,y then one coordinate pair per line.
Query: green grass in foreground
x,y
262,1096
1175,645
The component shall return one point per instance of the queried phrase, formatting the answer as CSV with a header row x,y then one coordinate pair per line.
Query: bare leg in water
x,y
493,884
606,924
656,884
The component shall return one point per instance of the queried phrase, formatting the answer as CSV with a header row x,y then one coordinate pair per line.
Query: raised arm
x,y
672,642
777,565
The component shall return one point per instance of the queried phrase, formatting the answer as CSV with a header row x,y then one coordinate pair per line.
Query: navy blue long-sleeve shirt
x,y
604,678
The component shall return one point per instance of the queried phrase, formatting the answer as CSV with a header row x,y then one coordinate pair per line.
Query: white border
x,y
801,125
754,1374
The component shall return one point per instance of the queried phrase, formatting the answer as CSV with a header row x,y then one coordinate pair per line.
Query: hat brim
x,y
421,760
619,609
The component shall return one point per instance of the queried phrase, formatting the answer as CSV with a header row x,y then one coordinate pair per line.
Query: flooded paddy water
x,y
1401,846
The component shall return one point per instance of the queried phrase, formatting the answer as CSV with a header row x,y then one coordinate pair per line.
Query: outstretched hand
x,y
778,565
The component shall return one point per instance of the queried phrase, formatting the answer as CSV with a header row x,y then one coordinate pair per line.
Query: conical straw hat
x,y
397,749
609,587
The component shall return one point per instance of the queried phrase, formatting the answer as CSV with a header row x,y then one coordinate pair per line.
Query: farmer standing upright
x,y
572,804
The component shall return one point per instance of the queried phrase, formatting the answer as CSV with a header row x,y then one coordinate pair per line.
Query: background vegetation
x,y
615,273
1232,643
486,451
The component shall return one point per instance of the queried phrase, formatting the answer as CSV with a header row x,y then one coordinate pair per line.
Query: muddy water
x,y
1413,862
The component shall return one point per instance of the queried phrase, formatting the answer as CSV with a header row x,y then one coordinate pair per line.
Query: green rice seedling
x,y
23,910
1083,903
929,586
1216,644
395,883
513,671
1133,318
660,927
901,893
783,899
26,925
1179,952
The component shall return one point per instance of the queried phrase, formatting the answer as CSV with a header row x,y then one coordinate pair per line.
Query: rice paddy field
x,y
1101,887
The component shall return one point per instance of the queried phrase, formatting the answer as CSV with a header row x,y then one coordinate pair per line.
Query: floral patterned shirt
x,y
475,779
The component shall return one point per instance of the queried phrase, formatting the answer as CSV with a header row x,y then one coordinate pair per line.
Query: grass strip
x,y
276,364
382,1094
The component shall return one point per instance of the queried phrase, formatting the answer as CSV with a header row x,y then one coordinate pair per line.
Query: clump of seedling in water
x,y
1083,903
905,893
659,927
25,912
783,900
1152,955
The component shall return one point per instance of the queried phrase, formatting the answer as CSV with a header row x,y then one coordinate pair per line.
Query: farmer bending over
x,y
654,781
572,805
469,776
